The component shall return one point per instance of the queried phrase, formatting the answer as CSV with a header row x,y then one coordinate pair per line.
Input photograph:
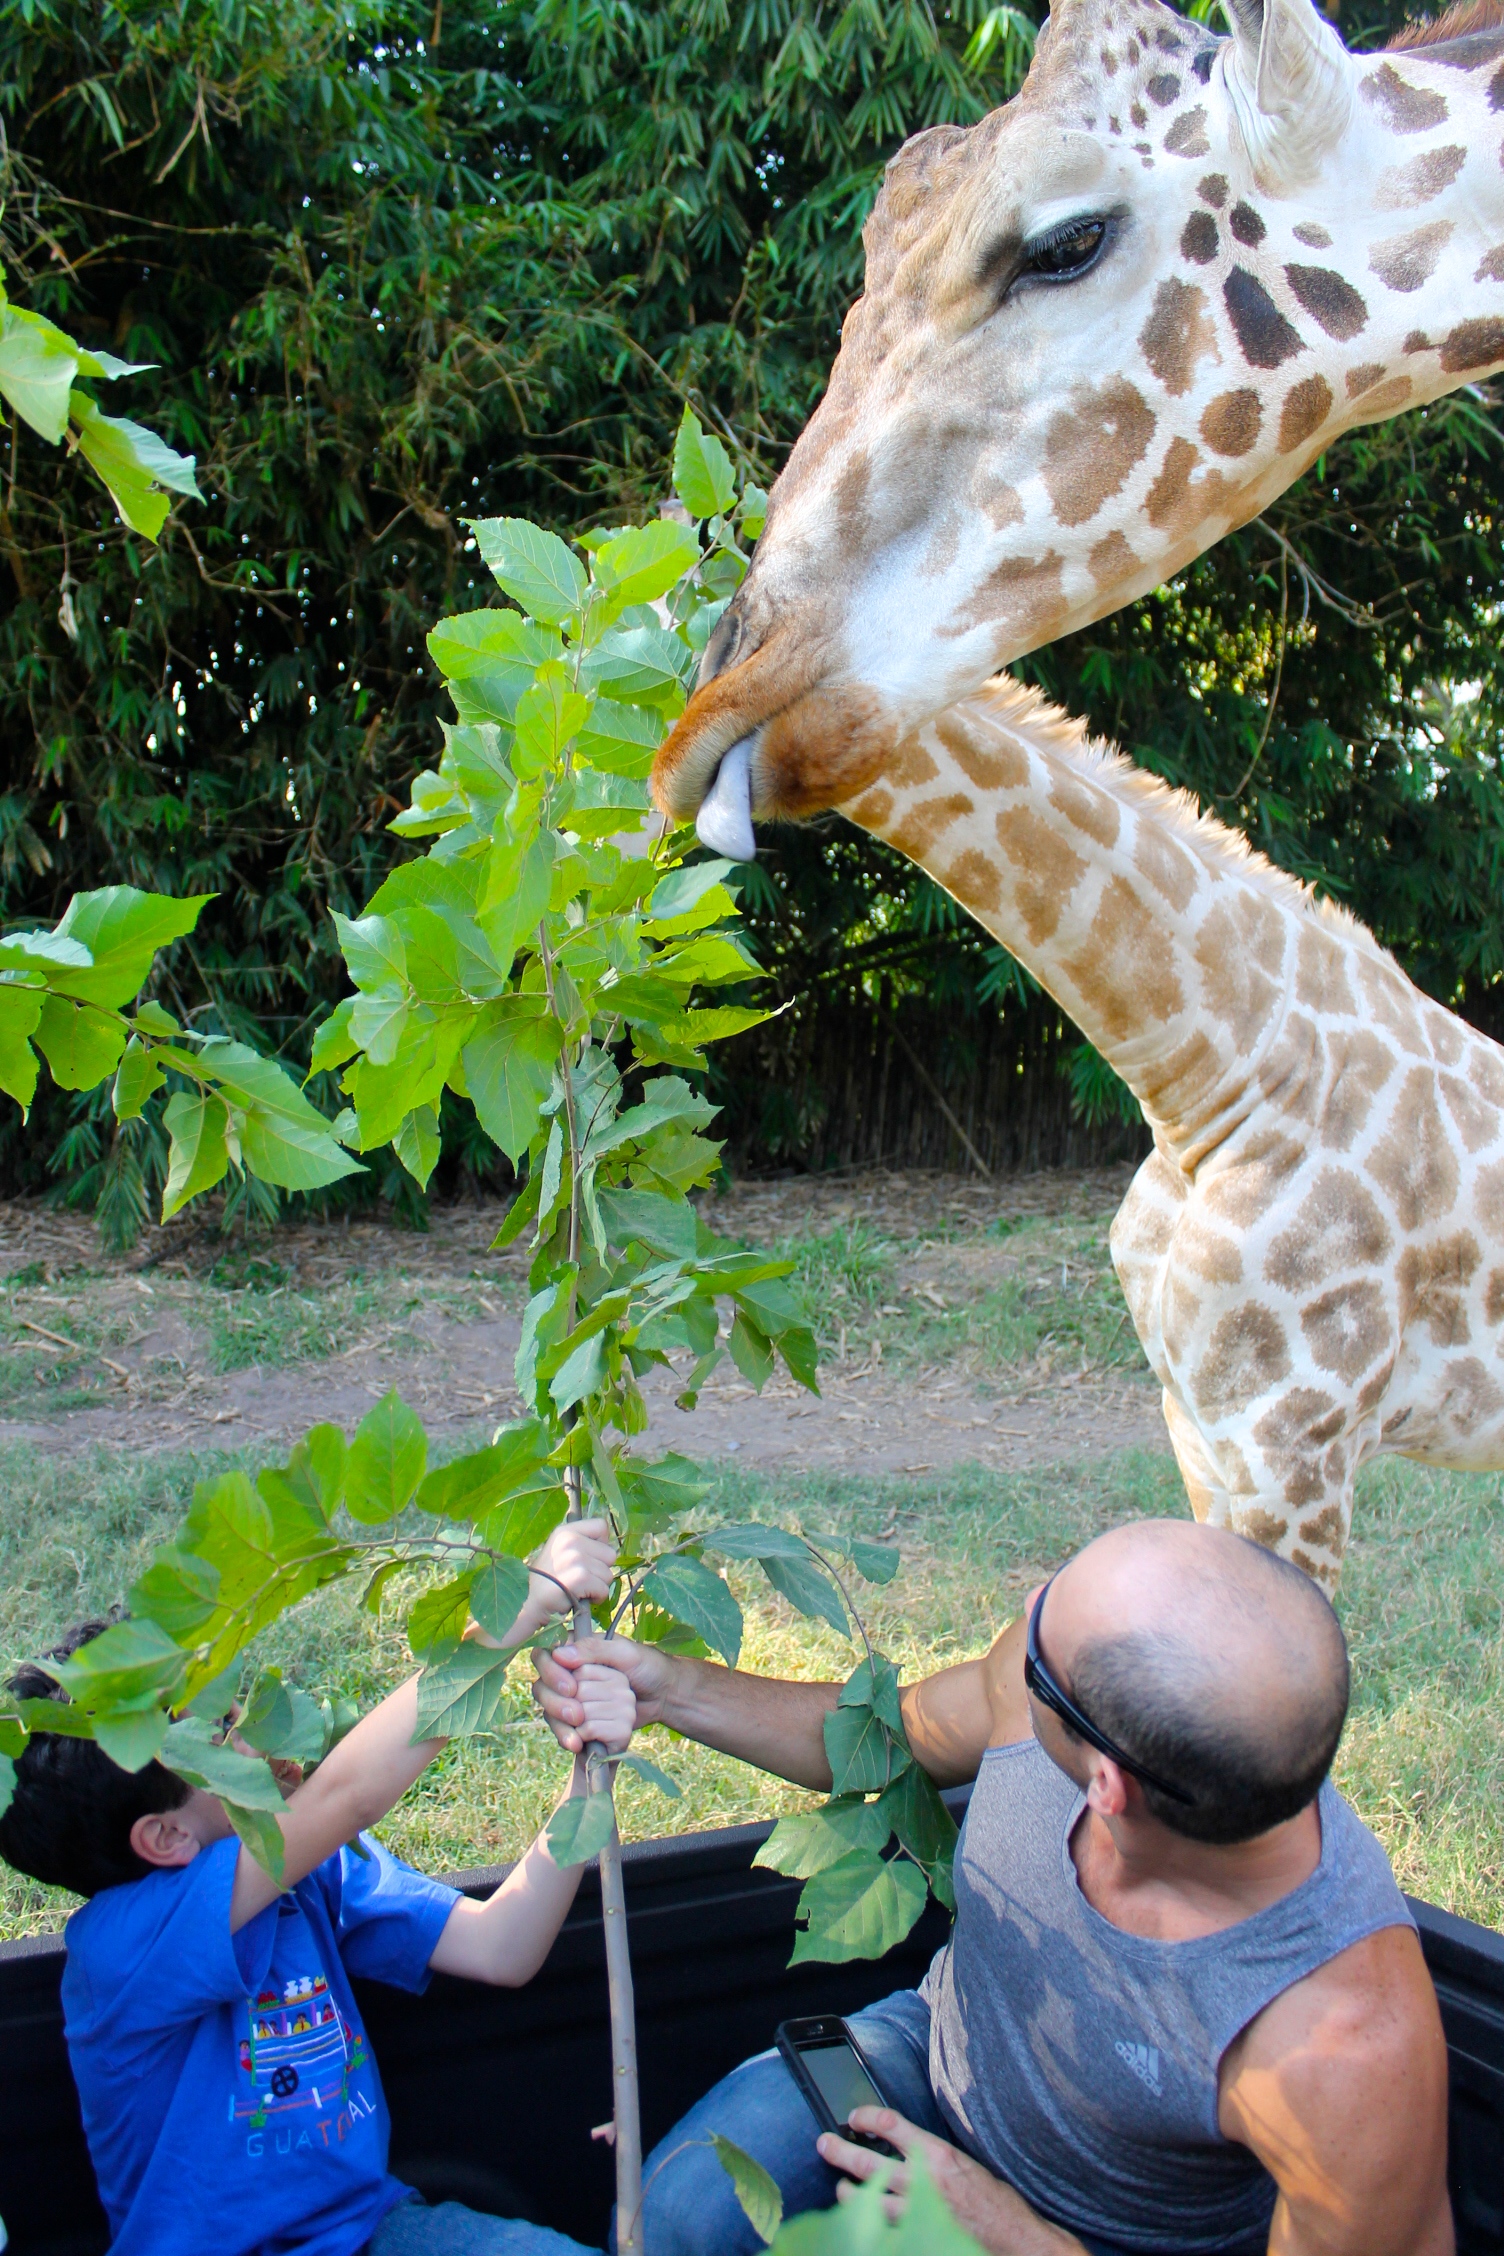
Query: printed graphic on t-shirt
x,y
298,2052
1144,2061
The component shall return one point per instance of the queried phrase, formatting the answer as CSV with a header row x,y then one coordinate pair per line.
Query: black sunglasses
x,y
1038,1681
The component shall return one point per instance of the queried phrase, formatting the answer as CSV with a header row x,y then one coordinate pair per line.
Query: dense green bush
x,y
403,263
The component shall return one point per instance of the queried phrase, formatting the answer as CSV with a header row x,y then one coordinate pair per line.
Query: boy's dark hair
x,y
70,1820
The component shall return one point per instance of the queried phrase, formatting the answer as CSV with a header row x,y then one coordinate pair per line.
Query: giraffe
x,y
1099,329
1313,1253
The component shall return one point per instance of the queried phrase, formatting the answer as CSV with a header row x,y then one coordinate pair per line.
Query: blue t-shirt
x,y
230,2100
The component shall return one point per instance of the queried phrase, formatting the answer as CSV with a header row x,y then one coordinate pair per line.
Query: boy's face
x,y
169,1838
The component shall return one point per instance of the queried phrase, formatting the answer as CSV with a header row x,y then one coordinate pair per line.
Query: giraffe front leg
x,y
1210,1498
1291,1491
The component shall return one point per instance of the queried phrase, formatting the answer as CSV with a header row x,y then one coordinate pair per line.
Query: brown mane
x,y
1459,22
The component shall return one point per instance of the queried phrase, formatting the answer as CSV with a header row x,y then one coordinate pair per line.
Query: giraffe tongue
x,y
725,818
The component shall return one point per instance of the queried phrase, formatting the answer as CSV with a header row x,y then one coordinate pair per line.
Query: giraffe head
x,y
1099,329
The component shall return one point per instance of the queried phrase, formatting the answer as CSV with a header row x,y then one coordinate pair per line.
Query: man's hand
x,y
559,1689
997,2217
608,1709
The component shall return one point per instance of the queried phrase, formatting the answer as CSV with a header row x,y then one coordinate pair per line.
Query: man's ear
x,y
161,1838
1107,1788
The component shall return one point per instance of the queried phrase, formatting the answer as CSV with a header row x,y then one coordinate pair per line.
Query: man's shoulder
x,y
1358,2022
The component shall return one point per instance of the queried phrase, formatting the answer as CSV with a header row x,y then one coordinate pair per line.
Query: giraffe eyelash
x,y
1033,264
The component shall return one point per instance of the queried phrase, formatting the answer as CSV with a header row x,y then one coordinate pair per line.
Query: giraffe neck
x,y
1156,931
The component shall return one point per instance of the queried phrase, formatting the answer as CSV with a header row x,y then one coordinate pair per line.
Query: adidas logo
x,y
1144,2061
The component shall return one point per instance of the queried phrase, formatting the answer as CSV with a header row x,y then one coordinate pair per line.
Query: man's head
x,y
1211,1663
77,1820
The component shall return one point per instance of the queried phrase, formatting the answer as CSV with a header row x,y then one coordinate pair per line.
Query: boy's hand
x,y
580,1556
608,1709
644,1667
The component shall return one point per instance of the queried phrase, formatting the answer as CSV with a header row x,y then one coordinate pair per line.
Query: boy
x,y
230,2103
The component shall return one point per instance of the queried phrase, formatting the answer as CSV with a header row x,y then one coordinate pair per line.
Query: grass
x,y
1422,1599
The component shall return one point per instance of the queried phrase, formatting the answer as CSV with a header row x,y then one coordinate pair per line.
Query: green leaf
x,y
639,666
37,367
582,1372
653,1775
134,463
262,1835
580,1828
687,1589
875,1562
438,1618
41,951
416,1143
549,716
20,1009
873,1684
508,1072
198,1153
333,1045
386,1461
461,1694
750,1352
682,893
532,566
808,1587
138,1080
912,1809
488,659
514,899
122,930
81,1043
645,561
177,1591
703,476
7,1783
374,951
132,1738
816,1839
298,1154
863,1758
762,2203
498,1595
747,1539
859,1907
665,1225
521,1524
468,1486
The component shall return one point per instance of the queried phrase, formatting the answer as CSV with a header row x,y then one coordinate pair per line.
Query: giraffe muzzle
x,y
724,822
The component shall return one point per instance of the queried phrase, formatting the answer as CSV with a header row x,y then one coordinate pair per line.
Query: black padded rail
x,y
475,2076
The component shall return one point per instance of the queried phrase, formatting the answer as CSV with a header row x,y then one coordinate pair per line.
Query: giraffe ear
x,y
1291,83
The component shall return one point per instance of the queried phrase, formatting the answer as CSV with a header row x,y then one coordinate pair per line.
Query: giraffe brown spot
x,y
1415,1162
1387,397
998,502
1446,1035
1477,1122
1307,406
1243,1190
1321,972
1373,1390
1315,238
1124,973
1246,224
929,819
1084,805
1091,446
1390,1001
1112,561
1139,116
1471,1395
909,765
1364,377
1491,265
1024,590
1050,869
1493,1297
1245,1357
1433,1281
1266,337
1347,1329
1488,1198
1325,1530
1187,136
1291,1073
1202,61
1405,262
1496,89
974,882
1485,1069
1209,1254
1109,62
1179,332
1163,89
1178,1084
1168,867
1360,1065
988,760
1173,504
1472,344
1240,952
1179,1307
872,810
1199,239
1337,1226
1213,190
1404,186
1404,108
1230,422
1320,1570
1260,1526
1329,300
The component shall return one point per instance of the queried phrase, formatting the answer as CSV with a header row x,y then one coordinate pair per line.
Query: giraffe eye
x,y
1067,251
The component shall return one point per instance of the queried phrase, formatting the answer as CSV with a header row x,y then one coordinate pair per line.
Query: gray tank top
x,y
1079,2062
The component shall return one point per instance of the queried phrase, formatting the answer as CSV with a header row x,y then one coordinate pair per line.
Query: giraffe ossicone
x,y
1313,1255
1099,329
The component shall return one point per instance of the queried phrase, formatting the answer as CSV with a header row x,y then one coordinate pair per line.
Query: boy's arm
x,y
373,1766
506,1939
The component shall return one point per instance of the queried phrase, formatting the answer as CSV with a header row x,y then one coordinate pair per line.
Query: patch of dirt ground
x,y
450,1353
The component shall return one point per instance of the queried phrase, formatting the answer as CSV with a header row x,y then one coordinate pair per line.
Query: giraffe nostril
x,y
729,642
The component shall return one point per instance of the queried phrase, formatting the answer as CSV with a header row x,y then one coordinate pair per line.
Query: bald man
x,y
1183,2008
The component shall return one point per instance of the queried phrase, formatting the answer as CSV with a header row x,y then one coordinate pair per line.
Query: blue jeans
x,y
689,2207
413,2229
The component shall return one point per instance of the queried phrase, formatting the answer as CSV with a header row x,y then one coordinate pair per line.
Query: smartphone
x,y
831,2070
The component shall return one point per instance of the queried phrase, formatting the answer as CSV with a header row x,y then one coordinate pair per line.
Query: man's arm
x,y
951,1718
1340,2088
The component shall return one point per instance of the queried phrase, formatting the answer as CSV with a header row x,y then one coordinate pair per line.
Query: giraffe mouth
x,y
724,822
